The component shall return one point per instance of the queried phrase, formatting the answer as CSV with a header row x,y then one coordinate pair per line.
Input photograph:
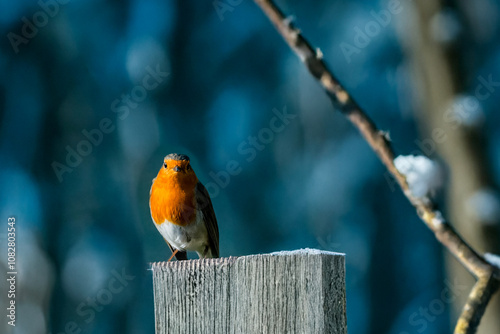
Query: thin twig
x,y
341,99
474,309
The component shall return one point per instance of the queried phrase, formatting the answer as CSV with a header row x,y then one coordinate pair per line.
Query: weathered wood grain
x,y
287,292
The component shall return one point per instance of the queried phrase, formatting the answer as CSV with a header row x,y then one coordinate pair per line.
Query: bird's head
x,y
177,167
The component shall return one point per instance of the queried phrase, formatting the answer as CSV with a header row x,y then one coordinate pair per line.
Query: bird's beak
x,y
177,169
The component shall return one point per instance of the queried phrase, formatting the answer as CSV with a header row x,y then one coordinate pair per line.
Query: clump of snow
x,y
493,259
289,20
422,174
484,204
319,54
467,111
438,219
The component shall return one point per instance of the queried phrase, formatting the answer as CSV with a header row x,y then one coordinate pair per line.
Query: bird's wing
x,y
205,205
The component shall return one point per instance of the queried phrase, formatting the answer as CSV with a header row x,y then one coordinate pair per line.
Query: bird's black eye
x,y
165,164
188,167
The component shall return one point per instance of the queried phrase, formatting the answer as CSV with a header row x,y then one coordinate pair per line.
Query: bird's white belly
x,y
193,237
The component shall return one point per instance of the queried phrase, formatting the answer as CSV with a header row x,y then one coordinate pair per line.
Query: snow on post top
x,y
422,174
493,259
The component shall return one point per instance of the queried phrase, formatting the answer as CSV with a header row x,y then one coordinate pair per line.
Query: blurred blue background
x,y
93,94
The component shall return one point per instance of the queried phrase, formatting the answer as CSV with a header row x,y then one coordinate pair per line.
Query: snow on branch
x,y
421,171
423,175
493,259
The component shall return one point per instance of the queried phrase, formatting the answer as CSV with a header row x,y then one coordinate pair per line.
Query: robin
x,y
182,211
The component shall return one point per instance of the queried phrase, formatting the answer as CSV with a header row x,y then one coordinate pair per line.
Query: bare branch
x,y
474,309
377,140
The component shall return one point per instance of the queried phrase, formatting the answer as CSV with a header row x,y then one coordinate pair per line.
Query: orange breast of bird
x,y
173,200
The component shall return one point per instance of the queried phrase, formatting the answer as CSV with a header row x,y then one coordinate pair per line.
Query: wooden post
x,y
287,292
